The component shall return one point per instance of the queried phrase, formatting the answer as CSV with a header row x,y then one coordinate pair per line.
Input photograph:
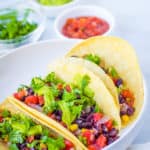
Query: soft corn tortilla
x,y
67,69
14,108
118,53
47,121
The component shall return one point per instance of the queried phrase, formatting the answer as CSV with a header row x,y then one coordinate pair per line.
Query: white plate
x,y
32,60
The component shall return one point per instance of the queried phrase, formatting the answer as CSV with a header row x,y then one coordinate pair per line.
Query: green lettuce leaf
x,y
53,144
69,111
93,58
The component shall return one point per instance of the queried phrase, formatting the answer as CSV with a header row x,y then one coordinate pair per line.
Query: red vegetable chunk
x,y
84,27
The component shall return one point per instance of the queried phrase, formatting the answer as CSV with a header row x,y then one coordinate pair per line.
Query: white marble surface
x,y
133,24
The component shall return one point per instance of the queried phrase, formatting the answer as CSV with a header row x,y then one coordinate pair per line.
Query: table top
x,y
133,24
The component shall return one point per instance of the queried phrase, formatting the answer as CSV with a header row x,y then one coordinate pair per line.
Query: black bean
x,y
90,117
121,99
130,111
38,137
104,128
86,125
123,113
84,115
58,118
79,122
110,140
113,132
21,146
30,91
119,82
23,98
58,112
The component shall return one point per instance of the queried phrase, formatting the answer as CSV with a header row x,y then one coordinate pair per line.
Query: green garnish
x,y
12,26
93,58
112,71
70,111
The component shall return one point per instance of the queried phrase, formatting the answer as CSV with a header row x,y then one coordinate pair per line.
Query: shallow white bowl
x,y
20,66
53,11
85,10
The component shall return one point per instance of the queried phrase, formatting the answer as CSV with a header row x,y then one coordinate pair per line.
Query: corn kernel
x,y
125,118
6,138
73,127
42,146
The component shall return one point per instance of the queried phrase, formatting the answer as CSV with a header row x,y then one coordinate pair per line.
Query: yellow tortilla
x,y
118,53
14,108
67,69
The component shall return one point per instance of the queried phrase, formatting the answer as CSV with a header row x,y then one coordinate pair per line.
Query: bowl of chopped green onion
x,y
19,26
52,8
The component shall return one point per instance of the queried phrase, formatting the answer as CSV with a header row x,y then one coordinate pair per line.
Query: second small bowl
x,y
79,11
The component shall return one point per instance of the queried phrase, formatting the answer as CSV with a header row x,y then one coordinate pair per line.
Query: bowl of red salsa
x,y
82,22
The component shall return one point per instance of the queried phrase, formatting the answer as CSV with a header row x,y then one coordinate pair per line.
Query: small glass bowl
x,y
36,17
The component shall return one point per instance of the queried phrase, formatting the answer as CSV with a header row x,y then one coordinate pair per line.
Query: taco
x,y
118,60
75,102
21,132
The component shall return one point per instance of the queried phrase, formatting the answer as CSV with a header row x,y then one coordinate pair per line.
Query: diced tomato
x,y
60,86
31,100
19,95
30,139
68,145
109,124
127,94
97,116
84,27
93,147
131,103
51,115
114,80
68,88
41,100
1,119
88,134
101,141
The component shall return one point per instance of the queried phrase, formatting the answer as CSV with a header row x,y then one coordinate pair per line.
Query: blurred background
x,y
132,22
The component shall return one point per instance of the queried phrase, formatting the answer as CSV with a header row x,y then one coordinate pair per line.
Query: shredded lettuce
x,y
34,130
53,144
13,147
112,71
52,78
37,83
69,111
16,137
93,58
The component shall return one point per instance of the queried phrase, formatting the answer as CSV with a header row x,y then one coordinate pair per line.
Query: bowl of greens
x,y
19,26
52,8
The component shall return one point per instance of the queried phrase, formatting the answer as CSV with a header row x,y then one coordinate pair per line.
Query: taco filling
x,y
72,105
125,96
22,133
